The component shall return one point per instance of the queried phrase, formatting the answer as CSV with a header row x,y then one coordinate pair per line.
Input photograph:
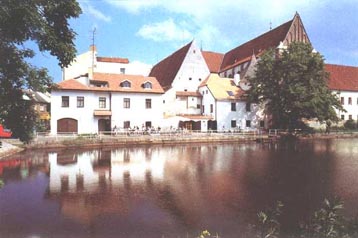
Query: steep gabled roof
x,y
166,70
213,60
270,39
344,78
113,81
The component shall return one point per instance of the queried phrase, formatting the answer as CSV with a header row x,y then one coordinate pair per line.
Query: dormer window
x,y
98,84
147,85
125,84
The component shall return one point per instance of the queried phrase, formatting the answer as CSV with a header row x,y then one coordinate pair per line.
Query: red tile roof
x,y
113,60
188,94
166,70
213,60
270,39
113,81
344,78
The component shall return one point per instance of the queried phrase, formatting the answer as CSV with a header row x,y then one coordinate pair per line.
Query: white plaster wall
x,y
351,109
194,67
135,68
87,123
137,114
79,66
225,115
207,100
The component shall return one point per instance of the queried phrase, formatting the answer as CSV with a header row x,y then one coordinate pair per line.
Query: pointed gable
x,y
213,60
292,30
166,70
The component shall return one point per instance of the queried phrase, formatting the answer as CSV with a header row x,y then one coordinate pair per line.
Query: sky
x,y
150,30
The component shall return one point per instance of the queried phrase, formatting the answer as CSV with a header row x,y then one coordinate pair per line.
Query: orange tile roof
x,y
213,60
342,77
166,70
113,60
188,94
113,81
270,39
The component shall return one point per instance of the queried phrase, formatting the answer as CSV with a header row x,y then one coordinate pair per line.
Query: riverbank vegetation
x,y
326,222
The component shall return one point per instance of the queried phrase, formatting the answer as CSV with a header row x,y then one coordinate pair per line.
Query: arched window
x,y
125,84
147,85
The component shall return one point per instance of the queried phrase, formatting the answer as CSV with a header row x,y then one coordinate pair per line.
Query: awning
x,y
102,113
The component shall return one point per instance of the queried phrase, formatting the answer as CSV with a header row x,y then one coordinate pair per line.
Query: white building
x,y
344,83
224,100
180,75
86,105
89,63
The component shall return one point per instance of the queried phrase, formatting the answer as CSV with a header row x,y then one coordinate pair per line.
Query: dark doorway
x,y
212,125
104,125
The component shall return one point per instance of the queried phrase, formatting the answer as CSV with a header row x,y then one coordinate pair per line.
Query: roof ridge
x,y
264,34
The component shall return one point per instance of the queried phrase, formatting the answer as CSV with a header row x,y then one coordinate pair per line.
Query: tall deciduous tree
x,y
44,22
293,86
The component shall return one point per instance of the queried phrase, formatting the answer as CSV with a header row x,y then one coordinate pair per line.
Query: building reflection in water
x,y
183,183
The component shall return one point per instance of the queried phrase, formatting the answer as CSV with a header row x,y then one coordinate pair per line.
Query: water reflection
x,y
169,191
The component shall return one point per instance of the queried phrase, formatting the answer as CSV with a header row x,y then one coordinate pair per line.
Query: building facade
x,y
106,102
343,81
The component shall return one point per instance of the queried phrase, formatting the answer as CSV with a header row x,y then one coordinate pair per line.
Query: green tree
x,y
293,86
44,22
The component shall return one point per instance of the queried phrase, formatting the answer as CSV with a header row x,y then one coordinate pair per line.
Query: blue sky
x,y
150,30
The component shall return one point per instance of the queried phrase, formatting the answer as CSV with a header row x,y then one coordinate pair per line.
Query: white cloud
x,y
208,19
89,9
164,31
135,6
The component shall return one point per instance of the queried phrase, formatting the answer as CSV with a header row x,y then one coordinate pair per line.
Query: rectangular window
x,y
126,103
262,124
197,106
349,101
126,124
342,117
248,123
248,107
211,108
65,101
233,107
123,70
80,101
350,117
233,123
203,109
342,100
102,102
148,124
148,103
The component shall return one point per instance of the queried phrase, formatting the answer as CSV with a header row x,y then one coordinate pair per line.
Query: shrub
x,y
350,124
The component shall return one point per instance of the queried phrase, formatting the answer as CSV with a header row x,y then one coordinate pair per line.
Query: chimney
x,y
93,48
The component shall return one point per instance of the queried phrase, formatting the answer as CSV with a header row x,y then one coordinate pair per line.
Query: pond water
x,y
172,191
